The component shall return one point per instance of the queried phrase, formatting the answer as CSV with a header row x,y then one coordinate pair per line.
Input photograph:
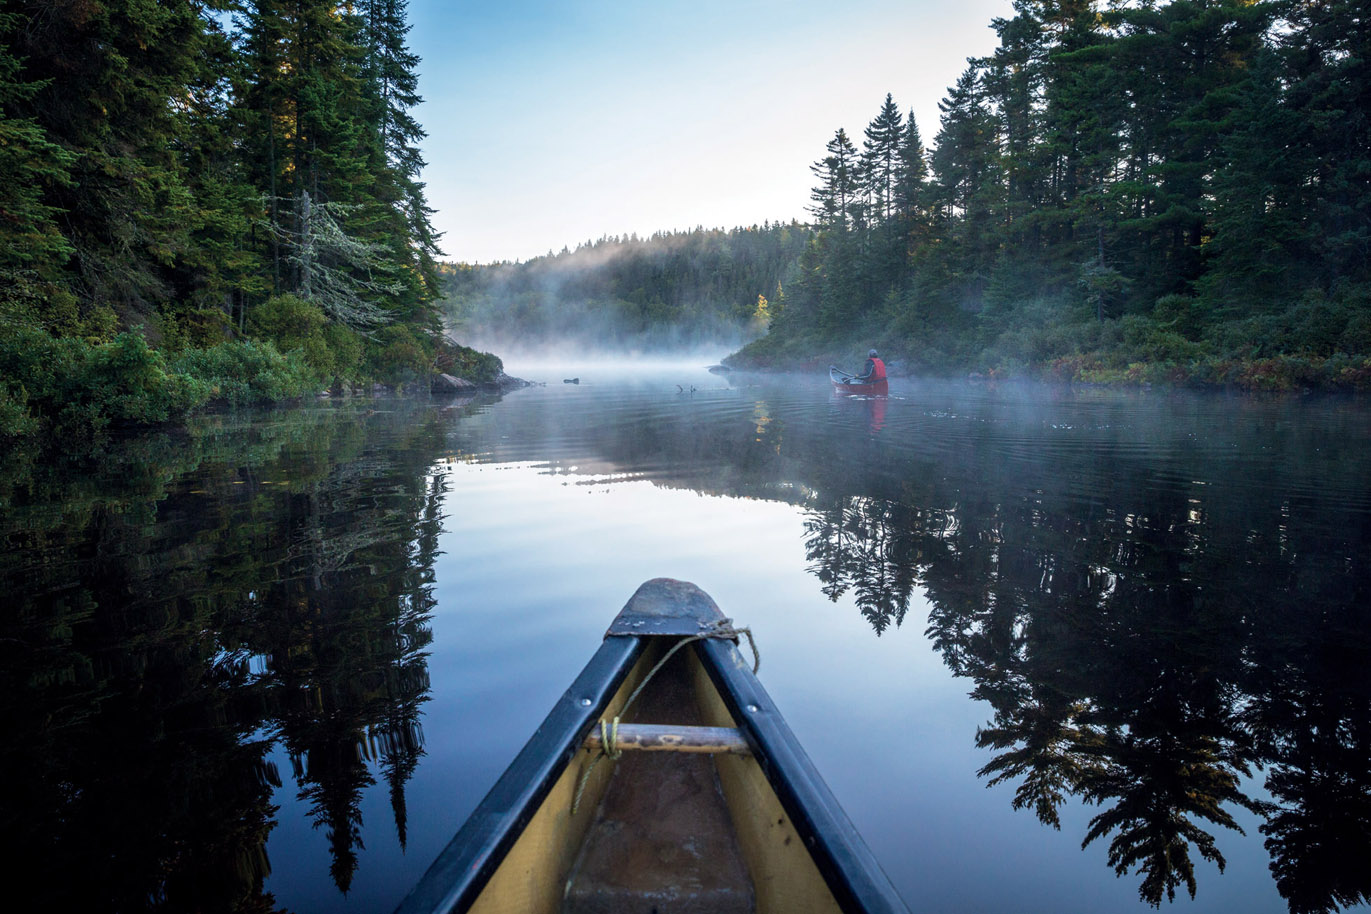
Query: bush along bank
x,y
75,387
1324,345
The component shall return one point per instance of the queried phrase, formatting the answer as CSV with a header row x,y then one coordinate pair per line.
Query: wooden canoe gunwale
x,y
669,610
856,879
455,879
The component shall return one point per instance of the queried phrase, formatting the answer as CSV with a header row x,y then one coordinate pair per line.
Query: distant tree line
x,y
1123,190
205,197
670,289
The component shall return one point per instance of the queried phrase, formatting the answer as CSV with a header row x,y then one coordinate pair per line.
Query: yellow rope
x,y
609,730
609,739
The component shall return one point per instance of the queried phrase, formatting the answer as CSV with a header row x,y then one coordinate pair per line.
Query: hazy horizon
x,y
551,124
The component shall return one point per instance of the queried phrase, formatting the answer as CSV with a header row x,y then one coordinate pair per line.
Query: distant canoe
x,y
713,806
849,384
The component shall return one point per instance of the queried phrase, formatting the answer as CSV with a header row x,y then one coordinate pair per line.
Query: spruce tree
x,y
881,159
219,270
32,167
968,184
110,78
1326,48
315,156
836,196
1178,64
912,177
1260,255
390,84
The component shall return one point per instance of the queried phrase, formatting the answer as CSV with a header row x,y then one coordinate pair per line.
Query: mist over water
x,y
543,362
1128,600
672,292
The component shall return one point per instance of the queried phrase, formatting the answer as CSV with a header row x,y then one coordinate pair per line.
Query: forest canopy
x,y
1120,192
1127,191
222,201
207,200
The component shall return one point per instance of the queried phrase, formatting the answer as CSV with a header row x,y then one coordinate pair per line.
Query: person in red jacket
x,y
875,369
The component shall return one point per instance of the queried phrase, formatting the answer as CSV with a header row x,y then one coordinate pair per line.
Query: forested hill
x,y
1141,191
207,201
673,289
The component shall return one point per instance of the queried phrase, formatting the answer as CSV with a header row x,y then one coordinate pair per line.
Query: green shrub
x,y
287,321
396,356
78,388
128,381
1279,373
1181,314
1349,371
345,350
15,419
35,360
291,324
247,371
1144,340
40,305
1356,337
1316,326
193,328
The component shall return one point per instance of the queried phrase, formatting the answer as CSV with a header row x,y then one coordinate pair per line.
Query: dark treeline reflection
x,y
1145,643
1165,605
181,608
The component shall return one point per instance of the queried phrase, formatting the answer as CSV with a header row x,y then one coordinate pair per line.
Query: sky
x,y
555,122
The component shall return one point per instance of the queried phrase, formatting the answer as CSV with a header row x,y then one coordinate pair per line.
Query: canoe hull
x,y
847,384
516,851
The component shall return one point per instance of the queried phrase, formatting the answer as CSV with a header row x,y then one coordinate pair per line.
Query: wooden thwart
x,y
660,738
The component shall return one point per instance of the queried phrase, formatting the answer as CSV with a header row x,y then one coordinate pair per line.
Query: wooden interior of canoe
x,y
661,831
667,827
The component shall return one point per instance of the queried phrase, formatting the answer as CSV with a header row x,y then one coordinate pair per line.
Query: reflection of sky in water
x,y
538,559
1141,564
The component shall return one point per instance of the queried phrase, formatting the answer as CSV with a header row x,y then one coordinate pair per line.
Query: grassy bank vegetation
x,y
1316,343
75,386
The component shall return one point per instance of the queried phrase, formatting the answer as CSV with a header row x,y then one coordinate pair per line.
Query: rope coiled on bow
x,y
609,730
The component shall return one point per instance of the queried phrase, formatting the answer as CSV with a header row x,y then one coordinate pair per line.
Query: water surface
x,y
273,661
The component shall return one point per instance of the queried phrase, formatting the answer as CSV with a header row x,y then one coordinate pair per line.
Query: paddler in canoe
x,y
872,380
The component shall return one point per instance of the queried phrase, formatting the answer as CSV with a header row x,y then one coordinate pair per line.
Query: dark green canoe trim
x,y
472,857
846,863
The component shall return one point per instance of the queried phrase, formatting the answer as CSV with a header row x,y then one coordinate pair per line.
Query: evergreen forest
x,y
626,294
221,202
1121,192
209,201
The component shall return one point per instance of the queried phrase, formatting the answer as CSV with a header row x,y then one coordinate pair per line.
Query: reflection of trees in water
x,y
344,631
864,545
1312,714
1145,652
1147,632
189,605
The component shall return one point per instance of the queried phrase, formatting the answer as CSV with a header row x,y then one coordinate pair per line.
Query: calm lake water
x,y
274,660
